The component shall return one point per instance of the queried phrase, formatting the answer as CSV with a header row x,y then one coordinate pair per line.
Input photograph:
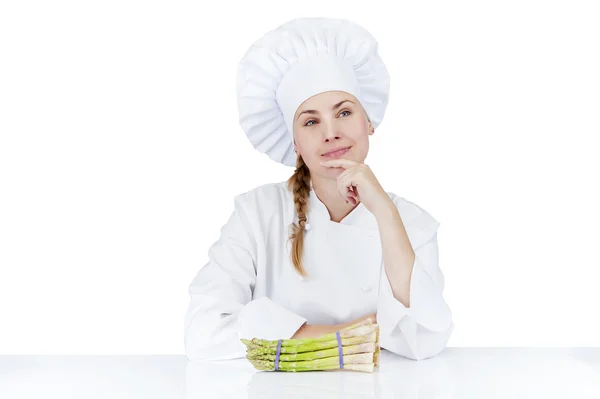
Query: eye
x,y
312,120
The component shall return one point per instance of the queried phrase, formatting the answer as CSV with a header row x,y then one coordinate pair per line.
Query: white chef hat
x,y
299,59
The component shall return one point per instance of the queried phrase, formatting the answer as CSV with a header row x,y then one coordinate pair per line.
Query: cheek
x,y
307,149
365,142
362,147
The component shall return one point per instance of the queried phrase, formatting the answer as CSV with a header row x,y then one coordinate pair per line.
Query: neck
x,y
327,192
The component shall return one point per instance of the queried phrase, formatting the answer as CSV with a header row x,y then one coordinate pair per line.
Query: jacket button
x,y
306,226
365,288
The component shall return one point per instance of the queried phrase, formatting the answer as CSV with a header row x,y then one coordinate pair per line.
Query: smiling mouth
x,y
337,153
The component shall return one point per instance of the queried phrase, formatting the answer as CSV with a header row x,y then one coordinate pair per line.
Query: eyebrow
x,y
312,111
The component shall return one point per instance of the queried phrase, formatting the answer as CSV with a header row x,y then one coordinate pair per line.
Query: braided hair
x,y
299,183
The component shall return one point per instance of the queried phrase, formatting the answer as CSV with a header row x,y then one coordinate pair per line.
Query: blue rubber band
x,y
341,353
277,355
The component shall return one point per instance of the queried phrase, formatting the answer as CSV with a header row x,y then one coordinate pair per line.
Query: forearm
x,y
314,330
398,254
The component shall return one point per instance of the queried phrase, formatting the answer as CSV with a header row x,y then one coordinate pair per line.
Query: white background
x,y
120,154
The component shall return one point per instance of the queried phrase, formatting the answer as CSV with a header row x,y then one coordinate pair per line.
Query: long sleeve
x,y
423,330
222,310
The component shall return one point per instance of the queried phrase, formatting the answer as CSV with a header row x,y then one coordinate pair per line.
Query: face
x,y
330,125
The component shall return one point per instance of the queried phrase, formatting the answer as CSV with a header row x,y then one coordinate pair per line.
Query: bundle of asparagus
x,y
353,348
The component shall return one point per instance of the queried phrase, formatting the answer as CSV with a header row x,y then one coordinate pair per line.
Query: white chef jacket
x,y
249,287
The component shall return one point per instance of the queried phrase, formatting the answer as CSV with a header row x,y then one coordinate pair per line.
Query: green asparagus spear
x,y
315,346
360,348
262,354
290,342
356,332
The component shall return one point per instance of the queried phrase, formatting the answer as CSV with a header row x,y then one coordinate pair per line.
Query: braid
x,y
299,183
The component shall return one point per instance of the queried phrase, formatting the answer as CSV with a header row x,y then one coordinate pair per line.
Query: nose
x,y
331,134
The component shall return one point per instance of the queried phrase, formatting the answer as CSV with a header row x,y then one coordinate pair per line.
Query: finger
x,y
344,182
348,186
352,197
340,184
339,163
351,200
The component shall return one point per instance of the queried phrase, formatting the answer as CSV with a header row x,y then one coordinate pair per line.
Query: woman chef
x,y
330,246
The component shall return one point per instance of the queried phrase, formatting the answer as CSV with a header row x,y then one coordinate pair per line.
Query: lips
x,y
337,153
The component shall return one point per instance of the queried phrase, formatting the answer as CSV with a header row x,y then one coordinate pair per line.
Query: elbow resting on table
x,y
212,338
430,344
426,344
198,348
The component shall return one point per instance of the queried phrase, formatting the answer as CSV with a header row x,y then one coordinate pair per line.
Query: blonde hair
x,y
299,183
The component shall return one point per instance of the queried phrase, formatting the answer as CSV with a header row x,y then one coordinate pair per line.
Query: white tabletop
x,y
455,373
